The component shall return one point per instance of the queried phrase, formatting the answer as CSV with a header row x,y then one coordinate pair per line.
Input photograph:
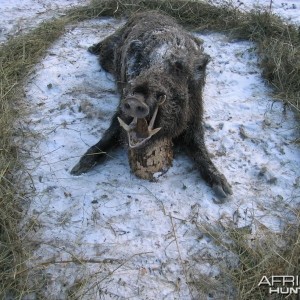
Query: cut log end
x,y
155,157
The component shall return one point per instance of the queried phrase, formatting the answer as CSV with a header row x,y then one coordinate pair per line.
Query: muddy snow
x,y
107,234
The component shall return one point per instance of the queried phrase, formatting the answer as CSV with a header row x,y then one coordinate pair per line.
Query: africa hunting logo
x,y
281,284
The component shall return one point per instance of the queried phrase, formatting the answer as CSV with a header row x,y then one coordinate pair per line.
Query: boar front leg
x,y
97,153
197,150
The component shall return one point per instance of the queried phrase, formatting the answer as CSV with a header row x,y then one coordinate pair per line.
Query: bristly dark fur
x,y
152,55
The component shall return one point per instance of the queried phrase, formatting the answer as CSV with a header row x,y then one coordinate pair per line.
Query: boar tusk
x,y
154,131
162,99
134,141
124,125
137,145
151,124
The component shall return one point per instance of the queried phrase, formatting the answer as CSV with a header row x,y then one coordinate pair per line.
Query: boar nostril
x,y
135,108
140,109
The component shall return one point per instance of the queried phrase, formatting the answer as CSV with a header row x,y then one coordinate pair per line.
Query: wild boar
x,y
160,72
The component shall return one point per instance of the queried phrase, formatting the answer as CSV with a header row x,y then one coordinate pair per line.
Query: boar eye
x,y
203,62
200,68
161,98
159,95
178,66
141,89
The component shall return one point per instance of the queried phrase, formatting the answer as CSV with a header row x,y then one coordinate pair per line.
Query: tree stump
x,y
153,158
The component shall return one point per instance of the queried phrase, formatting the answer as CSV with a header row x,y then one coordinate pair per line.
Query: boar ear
x,y
200,66
202,62
141,89
135,46
178,65
197,40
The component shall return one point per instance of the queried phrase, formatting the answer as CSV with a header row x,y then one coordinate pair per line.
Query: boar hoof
x,y
84,165
222,188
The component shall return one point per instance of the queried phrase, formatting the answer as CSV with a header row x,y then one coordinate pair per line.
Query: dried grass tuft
x,y
250,256
17,58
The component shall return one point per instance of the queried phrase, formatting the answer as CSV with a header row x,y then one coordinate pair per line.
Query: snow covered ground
x,y
19,16
109,235
287,9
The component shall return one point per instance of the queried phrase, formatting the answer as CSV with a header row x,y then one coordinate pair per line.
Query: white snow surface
x,y
20,16
107,234
289,10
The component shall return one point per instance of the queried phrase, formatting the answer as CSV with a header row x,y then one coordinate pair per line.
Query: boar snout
x,y
139,131
135,107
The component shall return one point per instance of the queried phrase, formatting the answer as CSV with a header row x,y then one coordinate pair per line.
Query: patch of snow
x,y
289,10
21,16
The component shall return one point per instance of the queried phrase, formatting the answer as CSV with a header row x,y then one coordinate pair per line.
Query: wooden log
x,y
153,158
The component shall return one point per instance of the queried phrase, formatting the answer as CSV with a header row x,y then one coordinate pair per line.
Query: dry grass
x,y
279,49
17,58
263,253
